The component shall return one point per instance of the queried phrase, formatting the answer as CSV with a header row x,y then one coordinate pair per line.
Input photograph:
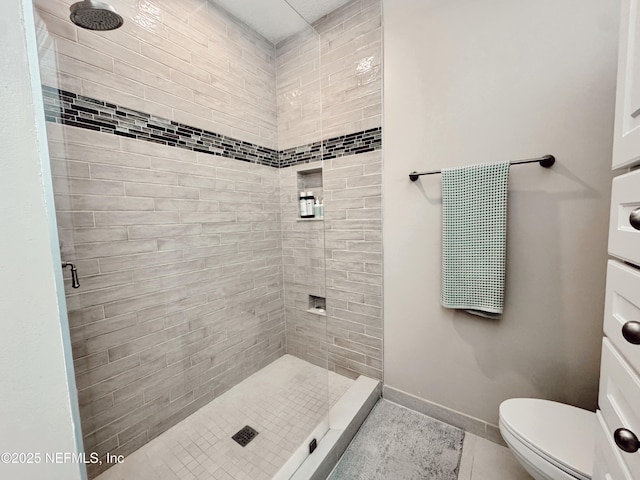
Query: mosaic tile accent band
x,y
76,110
352,144
69,108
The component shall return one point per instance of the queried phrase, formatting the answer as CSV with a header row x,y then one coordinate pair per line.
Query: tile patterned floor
x,y
284,402
485,460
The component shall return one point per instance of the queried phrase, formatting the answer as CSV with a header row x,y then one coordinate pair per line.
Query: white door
x,y
626,143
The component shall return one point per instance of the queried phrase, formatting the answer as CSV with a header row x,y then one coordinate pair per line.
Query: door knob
x,y
626,440
631,332
634,218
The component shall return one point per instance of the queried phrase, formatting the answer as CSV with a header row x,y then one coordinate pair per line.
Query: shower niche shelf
x,y
309,180
317,305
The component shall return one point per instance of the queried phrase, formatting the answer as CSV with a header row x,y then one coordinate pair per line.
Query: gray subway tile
x,y
162,231
110,172
145,301
91,235
110,249
160,191
103,372
135,218
130,262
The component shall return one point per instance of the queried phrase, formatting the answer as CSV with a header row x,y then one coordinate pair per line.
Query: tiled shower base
x,y
284,402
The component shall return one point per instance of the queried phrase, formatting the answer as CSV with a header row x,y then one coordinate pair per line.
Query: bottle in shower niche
x,y
303,204
321,215
310,201
316,209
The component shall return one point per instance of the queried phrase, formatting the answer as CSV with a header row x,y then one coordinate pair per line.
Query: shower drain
x,y
245,435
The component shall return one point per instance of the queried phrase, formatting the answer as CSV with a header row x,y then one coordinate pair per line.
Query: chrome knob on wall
x,y
626,440
634,218
74,274
631,332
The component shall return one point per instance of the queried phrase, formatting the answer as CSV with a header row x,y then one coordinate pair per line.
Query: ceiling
x,y
279,19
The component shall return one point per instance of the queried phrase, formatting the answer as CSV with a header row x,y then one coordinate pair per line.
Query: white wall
x,y
469,82
35,401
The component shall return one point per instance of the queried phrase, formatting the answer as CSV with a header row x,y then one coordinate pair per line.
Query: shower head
x,y
94,15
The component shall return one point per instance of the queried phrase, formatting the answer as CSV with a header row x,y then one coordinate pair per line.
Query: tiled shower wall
x,y
349,96
181,297
351,68
186,61
348,243
353,232
181,253
342,93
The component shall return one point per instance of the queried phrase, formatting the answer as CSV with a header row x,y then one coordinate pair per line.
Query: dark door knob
x,y
626,440
631,332
634,218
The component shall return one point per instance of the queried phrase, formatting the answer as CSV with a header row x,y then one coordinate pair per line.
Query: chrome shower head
x,y
94,15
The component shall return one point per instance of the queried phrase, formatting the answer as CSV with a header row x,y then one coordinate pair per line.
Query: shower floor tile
x,y
284,402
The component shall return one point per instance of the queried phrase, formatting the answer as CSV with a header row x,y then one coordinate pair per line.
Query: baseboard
x,y
457,419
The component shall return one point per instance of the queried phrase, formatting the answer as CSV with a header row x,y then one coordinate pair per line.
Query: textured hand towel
x,y
474,234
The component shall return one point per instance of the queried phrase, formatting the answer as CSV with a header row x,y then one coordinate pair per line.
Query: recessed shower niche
x,y
309,191
317,305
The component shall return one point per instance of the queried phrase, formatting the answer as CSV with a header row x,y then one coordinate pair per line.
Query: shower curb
x,y
345,419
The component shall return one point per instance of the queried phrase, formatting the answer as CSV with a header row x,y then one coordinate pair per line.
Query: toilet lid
x,y
561,432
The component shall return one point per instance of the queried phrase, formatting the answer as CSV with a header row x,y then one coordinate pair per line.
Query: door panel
x,y
626,144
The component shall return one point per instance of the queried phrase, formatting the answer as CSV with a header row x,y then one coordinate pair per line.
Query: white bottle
x,y
310,204
316,209
321,209
303,205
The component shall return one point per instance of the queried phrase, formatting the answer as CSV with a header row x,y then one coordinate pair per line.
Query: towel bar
x,y
546,161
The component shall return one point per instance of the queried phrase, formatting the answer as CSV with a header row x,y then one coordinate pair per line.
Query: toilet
x,y
551,440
